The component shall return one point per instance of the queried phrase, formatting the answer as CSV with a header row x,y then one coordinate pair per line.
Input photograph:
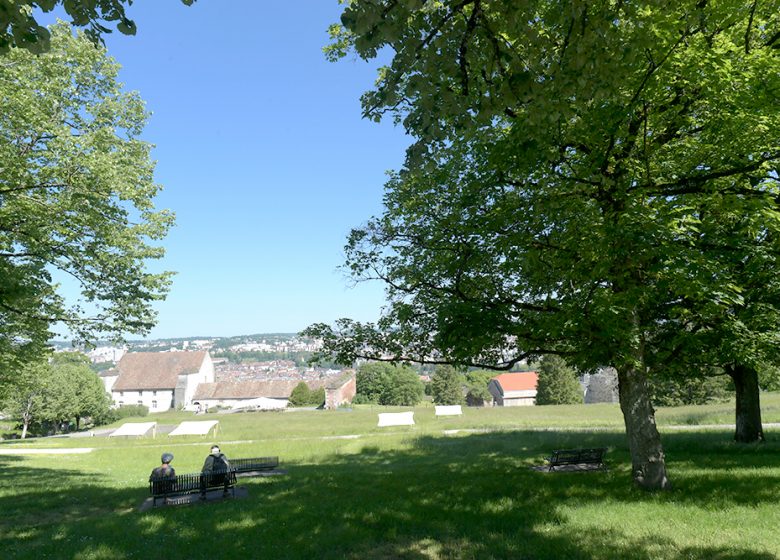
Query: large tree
x,y
20,28
76,198
551,202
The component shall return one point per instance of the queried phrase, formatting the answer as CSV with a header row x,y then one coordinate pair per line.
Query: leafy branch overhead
x,y
20,28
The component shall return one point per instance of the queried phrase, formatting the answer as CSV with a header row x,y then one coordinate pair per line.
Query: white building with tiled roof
x,y
235,394
160,380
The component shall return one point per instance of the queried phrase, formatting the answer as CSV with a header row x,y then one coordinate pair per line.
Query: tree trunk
x,y
26,417
749,428
644,441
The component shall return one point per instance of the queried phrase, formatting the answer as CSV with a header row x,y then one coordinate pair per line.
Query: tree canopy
x,y
76,198
577,182
20,28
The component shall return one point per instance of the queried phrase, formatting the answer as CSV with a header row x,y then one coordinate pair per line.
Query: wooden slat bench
x,y
248,467
592,456
191,484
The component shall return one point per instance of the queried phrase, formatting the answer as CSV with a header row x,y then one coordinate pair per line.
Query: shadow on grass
x,y
443,497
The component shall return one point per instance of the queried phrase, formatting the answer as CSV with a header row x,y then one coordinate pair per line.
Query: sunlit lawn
x,y
405,492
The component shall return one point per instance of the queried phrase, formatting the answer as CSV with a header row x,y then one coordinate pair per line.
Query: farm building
x,y
514,389
268,394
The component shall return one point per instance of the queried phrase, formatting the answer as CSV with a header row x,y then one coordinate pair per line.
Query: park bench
x,y
253,466
593,456
191,483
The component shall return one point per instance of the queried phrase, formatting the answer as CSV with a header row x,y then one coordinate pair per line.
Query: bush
x,y
361,399
303,396
131,411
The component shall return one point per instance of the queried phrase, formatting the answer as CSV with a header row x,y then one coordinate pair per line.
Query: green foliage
x,y
677,391
447,386
19,28
76,199
769,377
480,377
594,179
131,411
301,395
388,384
317,396
557,382
44,395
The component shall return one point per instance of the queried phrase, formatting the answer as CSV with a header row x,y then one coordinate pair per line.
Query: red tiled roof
x,y
155,370
525,381
276,388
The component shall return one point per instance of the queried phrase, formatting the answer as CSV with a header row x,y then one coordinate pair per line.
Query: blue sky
x,y
264,158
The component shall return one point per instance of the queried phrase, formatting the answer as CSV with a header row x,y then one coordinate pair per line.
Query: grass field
x,y
405,492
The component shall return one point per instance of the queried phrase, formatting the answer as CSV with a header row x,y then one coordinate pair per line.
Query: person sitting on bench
x,y
215,469
164,476
165,470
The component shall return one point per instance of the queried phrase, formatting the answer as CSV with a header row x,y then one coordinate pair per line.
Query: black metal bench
x,y
161,487
592,456
248,467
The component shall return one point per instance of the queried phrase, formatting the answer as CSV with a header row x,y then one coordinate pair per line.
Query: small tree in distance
x,y
447,386
557,382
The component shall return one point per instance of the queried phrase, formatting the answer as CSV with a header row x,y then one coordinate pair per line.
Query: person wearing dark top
x,y
214,470
163,478
165,470
216,461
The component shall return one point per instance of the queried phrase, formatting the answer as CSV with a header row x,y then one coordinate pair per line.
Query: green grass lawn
x,y
406,492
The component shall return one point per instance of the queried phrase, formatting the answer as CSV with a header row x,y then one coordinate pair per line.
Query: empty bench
x,y
182,484
592,457
253,466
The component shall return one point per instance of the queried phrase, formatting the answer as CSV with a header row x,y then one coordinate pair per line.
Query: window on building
x,y
140,402
154,393
154,404
121,393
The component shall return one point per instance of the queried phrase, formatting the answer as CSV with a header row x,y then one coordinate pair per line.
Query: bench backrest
x,y
396,419
191,482
254,464
593,455
448,410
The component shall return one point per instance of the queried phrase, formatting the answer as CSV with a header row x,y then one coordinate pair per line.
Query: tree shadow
x,y
469,496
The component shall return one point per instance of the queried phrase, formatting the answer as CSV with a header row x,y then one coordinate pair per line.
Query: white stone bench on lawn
x,y
195,428
449,410
396,419
135,429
